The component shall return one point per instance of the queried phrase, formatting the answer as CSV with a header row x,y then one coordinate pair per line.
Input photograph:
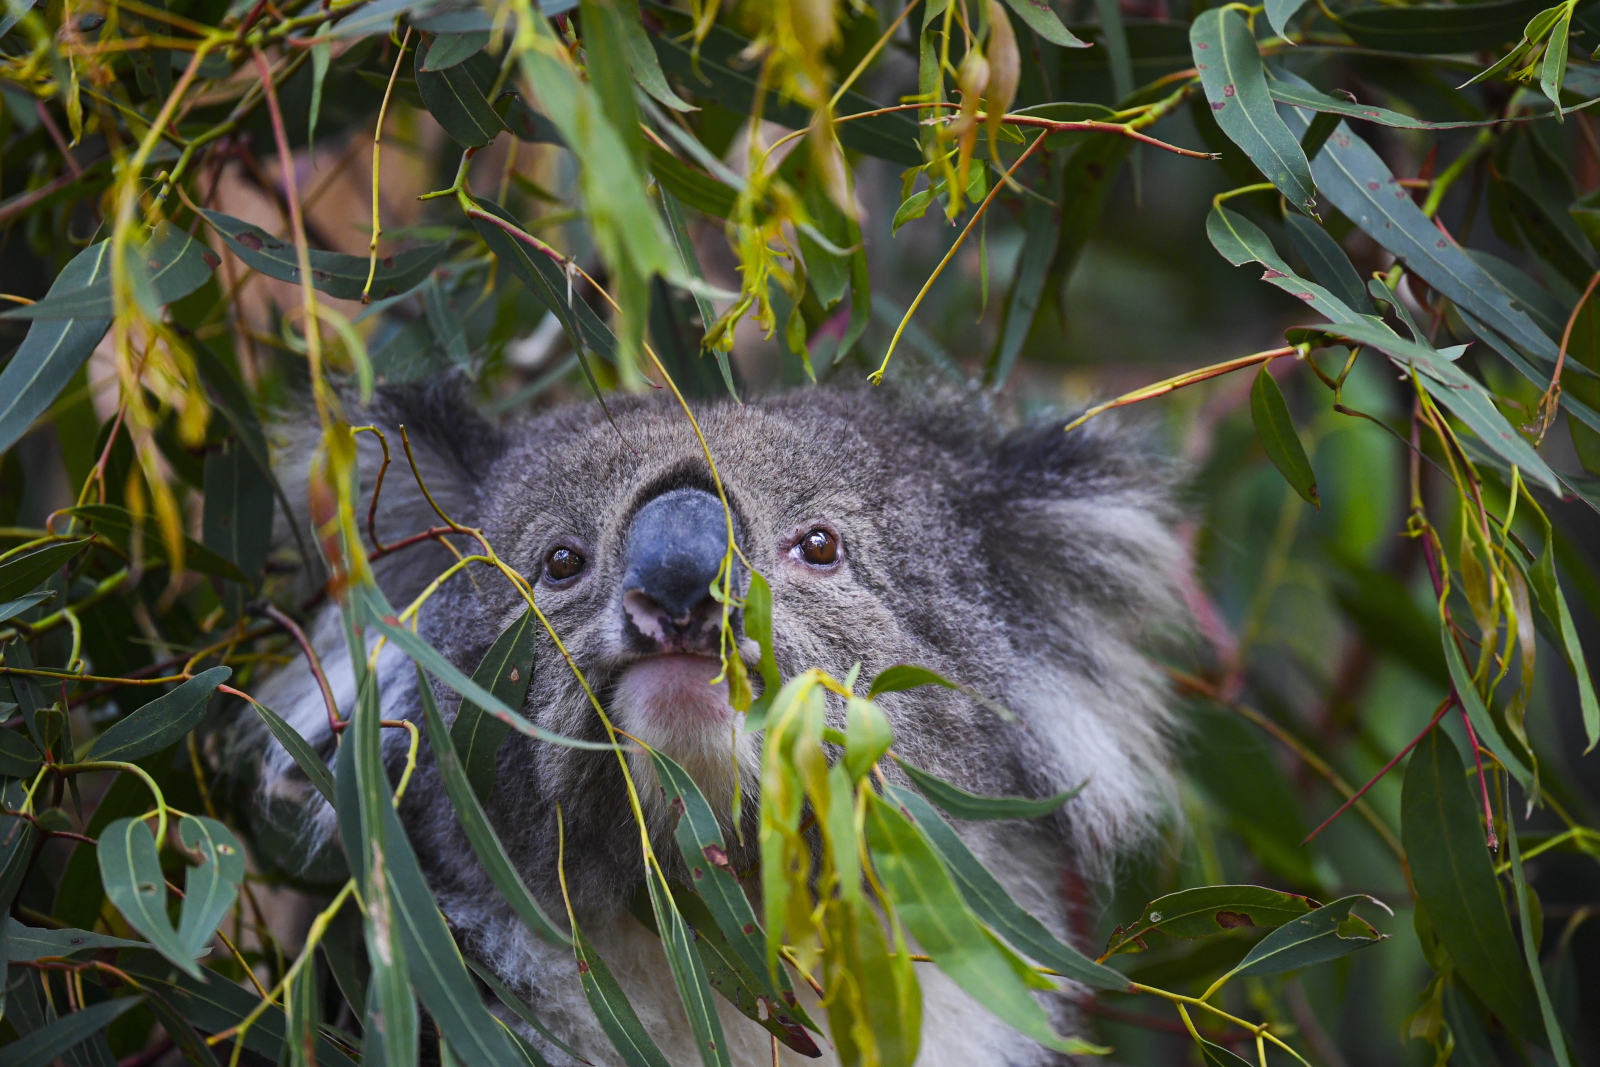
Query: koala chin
x,y
1033,566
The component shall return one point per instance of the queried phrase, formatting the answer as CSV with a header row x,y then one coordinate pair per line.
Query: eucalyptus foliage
x,y
877,176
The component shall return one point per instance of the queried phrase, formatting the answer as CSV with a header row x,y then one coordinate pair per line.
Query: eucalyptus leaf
x,y
964,805
20,574
1275,430
1235,82
118,526
209,889
161,722
1454,876
11,609
454,98
44,1046
130,870
335,273
1208,910
25,943
506,670
174,263
1325,934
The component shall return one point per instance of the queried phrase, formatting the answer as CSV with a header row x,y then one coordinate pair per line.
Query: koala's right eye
x,y
562,564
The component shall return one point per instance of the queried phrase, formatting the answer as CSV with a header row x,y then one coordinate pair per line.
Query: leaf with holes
x,y
1331,931
1208,910
130,870
335,273
210,889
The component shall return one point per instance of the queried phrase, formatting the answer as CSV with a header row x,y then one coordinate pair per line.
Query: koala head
x,y
1029,567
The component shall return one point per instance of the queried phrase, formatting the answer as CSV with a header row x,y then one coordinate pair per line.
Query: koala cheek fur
x,y
1035,567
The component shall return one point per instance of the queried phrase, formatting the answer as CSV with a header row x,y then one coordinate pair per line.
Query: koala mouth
x,y
670,698
668,702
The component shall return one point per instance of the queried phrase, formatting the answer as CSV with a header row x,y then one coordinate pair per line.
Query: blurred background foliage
x,y
1332,530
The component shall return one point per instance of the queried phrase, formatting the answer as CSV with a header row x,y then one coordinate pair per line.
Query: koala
x,y
1032,566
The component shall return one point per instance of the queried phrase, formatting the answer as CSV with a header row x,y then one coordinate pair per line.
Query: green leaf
x,y
1326,934
161,722
321,56
688,972
448,49
237,521
1235,82
117,525
434,963
747,990
1352,176
1217,1056
335,273
11,609
1279,12
611,1008
455,99
1275,430
1116,46
304,756
44,1046
1039,240
700,840
673,210
382,618
642,59
210,889
706,194
1328,262
24,573
868,736
512,1001
1042,19
365,808
469,811
927,901
1511,755
1212,909
1530,944
1553,603
964,805
303,1013
19,757
546,280
24,943
506,671
174,264
1241,241
1436,28
1441,826
16,855
130,870
990,902
903,676
1303,96
1462,394
758,627
215,1006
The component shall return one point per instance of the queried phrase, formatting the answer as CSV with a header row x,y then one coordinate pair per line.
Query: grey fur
x,y
1032,566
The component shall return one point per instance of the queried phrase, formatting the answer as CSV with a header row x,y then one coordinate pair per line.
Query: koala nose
x,y
675,549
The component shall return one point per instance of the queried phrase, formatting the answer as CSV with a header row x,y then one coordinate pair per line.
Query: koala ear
x,y
1080,523
453,446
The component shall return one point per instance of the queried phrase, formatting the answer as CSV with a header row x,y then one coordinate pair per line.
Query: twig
x,y
273,612
1162,388
1443,709
377,142
1552,395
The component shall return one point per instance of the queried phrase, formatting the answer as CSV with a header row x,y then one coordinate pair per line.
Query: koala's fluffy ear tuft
x,y
1089,577
454,450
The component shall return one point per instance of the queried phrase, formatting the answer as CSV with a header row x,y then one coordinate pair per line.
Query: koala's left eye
x,y
819,547
562,564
